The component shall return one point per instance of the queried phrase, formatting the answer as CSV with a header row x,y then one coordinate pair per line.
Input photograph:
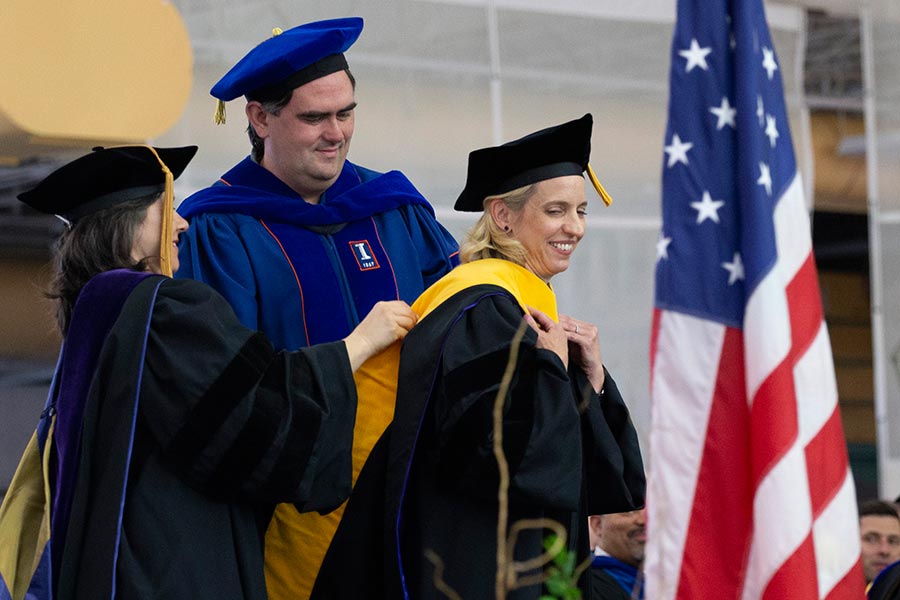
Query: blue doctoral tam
x,y
290,59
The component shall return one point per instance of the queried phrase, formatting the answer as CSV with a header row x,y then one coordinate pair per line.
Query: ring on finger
x,y
576,328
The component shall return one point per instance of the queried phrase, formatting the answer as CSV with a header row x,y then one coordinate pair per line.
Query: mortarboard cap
x,y
556,151
290,59
104,178
110,176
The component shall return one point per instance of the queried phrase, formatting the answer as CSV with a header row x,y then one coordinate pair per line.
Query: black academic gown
x,y
604,587
193,429
886,586
571,452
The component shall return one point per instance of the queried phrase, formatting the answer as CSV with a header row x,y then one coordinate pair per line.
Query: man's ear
x,y
595,525
258,117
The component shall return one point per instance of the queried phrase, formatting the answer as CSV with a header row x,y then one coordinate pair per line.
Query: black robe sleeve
x,y
614,471
541,430
443,477
604,587
558,433
237,419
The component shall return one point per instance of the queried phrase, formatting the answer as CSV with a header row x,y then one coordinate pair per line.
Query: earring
x,y
506,228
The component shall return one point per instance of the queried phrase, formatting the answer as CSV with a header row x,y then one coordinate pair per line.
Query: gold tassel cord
x,y
219,114
165,241
607,200
168,208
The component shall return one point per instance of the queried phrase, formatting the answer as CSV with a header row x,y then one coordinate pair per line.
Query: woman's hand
x,y
585,349
551,335
386,323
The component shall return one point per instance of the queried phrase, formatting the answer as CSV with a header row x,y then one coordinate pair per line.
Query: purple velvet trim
x,y
134,413
96,310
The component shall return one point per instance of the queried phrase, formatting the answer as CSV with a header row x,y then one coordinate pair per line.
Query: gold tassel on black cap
x,y
168,208
607,200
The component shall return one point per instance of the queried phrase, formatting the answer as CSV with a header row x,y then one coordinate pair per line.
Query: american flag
x,y
750,491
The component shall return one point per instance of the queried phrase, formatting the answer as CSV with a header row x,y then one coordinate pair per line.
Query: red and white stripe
x,y
750,494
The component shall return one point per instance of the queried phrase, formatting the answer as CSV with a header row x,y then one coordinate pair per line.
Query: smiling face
x,y
147,237
307,141
622,535
549,225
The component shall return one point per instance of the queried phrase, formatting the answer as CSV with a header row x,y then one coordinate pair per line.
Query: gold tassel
x,y
168,208
165,241
607,200
219,116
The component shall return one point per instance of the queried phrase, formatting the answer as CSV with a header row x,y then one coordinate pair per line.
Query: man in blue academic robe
x,y
303,242
619,540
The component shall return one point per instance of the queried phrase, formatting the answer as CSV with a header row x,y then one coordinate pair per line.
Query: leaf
x,y
557,587
568,560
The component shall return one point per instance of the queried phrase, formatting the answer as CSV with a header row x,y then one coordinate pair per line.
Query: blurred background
x,y
437,79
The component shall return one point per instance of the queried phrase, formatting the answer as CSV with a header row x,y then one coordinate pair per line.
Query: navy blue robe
x,y
308,273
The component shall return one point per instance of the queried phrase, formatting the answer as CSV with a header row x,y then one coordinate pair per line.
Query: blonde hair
x,y
487,240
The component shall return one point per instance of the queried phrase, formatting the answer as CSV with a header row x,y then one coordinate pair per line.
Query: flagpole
x,y
876,271
496,82
808,169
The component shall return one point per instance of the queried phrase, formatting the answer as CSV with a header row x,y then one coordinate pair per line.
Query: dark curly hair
x,y
101,241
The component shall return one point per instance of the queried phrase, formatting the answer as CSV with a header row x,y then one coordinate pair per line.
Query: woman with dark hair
x,y
171,430
96,243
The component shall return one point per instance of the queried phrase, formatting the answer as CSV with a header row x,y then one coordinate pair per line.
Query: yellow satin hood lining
x,y
527,288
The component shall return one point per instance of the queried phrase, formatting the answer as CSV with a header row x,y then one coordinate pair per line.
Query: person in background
x,y
303,243
567,437
879,531
171,429
618,540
